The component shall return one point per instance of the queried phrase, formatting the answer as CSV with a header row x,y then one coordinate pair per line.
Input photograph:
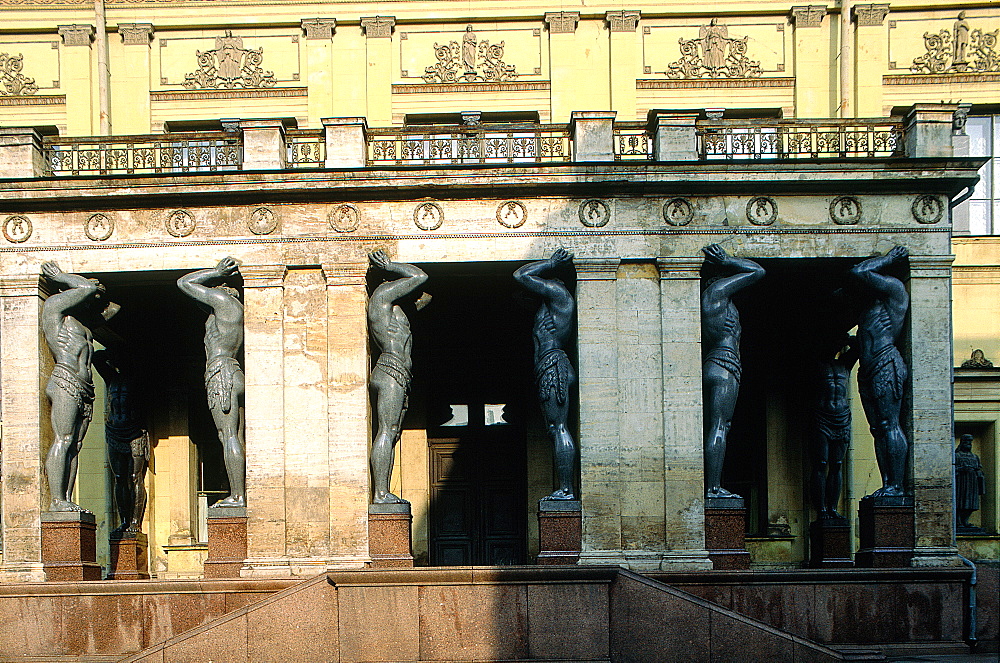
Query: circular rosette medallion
x,y
512,214
845,210
262,221
927,209
99,227
428,216
344,218
180,223
594,213
17,229
677,212
762,211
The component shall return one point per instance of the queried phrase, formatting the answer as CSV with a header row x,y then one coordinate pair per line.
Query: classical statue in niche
x,y
224,381
390,378
68,320
970,483
554,373
127,439
469,45
882,373
721,367
831,424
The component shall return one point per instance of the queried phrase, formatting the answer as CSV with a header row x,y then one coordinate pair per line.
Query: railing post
x,y
263,144
346,142
674,135
927,130
593,135
21,153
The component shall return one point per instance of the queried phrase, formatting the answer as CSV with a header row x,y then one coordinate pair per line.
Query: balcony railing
x,y
631,142
799,139
126,155
468,145
306,148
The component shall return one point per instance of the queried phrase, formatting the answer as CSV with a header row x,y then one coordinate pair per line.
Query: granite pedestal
x,y
830,544
390,535
129,557
69,546
560,531
885,530
725,533
227,542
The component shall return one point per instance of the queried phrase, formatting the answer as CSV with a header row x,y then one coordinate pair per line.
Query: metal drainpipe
x,y
970,638
103,75
846,58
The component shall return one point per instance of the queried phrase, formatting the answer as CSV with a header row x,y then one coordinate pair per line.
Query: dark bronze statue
x,y
554,373
882,373
831,425
970,483
224,381
68,320
390,378
127,439
721,367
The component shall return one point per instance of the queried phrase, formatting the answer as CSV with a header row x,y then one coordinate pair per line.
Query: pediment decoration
x,y
472,61
958,51
229,66
12,81
714,54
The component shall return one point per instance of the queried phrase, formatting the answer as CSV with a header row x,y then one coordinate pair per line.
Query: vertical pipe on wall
x,y
846,58
103,74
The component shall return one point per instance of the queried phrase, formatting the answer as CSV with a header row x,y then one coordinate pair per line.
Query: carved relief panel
x,y
30,67
228,60
470,54
949,44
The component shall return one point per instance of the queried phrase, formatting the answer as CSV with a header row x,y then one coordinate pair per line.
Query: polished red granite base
x,y
69,546
129,558
227,542
389,535
885,530
560,527
725,537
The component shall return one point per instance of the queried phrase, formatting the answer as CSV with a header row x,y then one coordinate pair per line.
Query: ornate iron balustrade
x,y
160,153
631,142
473,144
306,148
799,139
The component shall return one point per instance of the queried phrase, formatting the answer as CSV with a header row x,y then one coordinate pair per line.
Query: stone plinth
x,y
69,546
129,557
390,536
227,542
830,544
725,533
885,528
559,531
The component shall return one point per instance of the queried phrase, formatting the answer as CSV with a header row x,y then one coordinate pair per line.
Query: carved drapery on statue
x,y
229,66
959,50
14,82
970,483
472,61
714,54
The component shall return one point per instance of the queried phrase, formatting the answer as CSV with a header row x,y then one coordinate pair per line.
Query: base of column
x,y
725,533
885,530
830,544
227,541
129,557
69,546
390,535
560,531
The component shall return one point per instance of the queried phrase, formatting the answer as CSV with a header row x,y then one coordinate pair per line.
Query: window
x,y
980,214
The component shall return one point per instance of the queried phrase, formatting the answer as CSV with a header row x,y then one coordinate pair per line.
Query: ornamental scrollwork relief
x,y
714,54
472,61
12,80
959,50
229,66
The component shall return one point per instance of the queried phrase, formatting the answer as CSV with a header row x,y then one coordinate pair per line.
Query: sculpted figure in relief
x,y
224,380
390,378
831,424
554,373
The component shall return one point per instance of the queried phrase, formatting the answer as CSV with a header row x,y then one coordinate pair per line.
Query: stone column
x,y
23,360
21,153
871,58
932,438
623,57
378,30
812,62
318,49
565,62
593,135
130,64
263,352
263,144
76,79
684,458
347,411
346,145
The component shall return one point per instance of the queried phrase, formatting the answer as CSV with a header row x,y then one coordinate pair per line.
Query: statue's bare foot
x,y
560,494
720,492
229,501
65,506
389,498
830,514
888,491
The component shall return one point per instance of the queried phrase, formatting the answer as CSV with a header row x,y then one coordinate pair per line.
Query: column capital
x,y
76,35
809,16
931,266
263,276
136,34
596,269
318,28
345,273
378,27
870,15
26,285
680,267
624,20
562,22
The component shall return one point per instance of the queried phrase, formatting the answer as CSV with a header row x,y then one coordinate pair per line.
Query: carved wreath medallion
x,y
845,210
428,216
762,211
262,221
180,223
17,229
512,214
677,212
99,227
594,213
344,218
927,209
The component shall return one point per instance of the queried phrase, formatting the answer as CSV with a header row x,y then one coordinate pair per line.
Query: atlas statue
x,y
831,433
